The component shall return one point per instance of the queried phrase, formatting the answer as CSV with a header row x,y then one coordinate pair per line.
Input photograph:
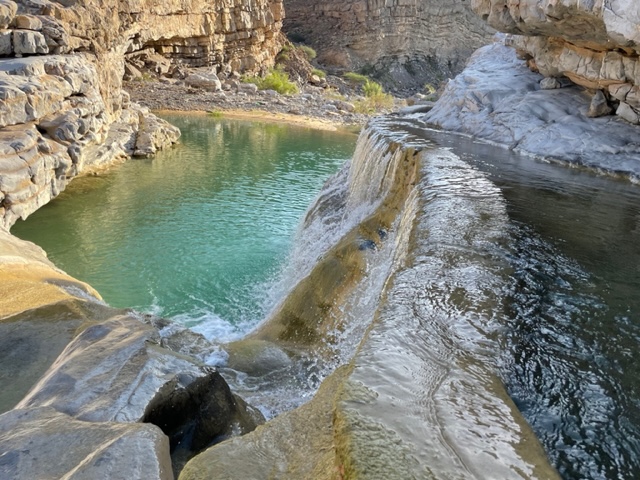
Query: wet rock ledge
x,y
88,391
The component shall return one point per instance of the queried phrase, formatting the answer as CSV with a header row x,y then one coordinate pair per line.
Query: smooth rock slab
x,y
31,341
111,372
498,98
44,444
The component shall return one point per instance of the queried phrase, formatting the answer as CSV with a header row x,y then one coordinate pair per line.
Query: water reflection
x,y
574,309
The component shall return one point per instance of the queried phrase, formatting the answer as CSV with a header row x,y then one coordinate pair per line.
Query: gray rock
x,y
42,443
27,42
207,81
6,43
8,10
550,83
31,341
619,91
117,371
599,105
27,22
498,98
153,133
344,106
72,385
626,112
131,72
420,108
247,87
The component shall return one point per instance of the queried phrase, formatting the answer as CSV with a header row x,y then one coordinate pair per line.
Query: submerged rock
x,y
42,443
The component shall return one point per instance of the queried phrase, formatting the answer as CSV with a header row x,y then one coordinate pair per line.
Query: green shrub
x,y
355,78
216,114
319,73
429,89
372,89
276,79
375,99
309,52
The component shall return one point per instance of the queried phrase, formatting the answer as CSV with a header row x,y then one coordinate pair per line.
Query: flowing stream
x,y
457,261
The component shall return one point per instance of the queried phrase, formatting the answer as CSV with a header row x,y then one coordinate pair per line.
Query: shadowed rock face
x,y
593,43
411,42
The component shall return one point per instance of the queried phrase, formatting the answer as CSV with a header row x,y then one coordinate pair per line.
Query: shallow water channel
x,y
200,233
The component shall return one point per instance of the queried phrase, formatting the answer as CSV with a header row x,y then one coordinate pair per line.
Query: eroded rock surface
x,y
43,443
414,41
63,110
499,99
593,43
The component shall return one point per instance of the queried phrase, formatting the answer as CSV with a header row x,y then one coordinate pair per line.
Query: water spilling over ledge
x,y
434,280
400,284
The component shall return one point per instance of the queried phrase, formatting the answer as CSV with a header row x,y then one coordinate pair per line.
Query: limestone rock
x,y
412,41
498,98
43,443
6,43
8,11
72,387
629,114
208,81
117,371
153,134
593,45
27,22
247,87
27,42
599,105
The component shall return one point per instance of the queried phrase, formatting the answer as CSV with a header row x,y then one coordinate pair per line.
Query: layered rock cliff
x,y
64,111
594,43
412,41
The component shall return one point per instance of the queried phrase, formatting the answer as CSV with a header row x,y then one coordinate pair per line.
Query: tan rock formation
x,y
423,39
594,43
65,114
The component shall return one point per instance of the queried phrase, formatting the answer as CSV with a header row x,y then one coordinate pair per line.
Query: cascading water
x,y
433,280
452,311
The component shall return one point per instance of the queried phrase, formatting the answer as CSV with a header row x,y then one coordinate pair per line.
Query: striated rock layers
x,y
63,111
595,43
413,41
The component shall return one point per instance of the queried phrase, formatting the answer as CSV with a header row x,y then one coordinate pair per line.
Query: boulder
x,y
43,443
31,341
152,134
207,81
246,87
117,371
8,11
27,22
626,112
27,42
599,105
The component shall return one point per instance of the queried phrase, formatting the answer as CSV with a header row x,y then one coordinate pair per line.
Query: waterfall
x,y
398,283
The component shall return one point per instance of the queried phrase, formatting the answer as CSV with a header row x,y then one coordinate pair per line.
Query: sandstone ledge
x,y
497,98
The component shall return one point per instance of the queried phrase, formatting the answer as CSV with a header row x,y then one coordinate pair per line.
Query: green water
x,y
195,232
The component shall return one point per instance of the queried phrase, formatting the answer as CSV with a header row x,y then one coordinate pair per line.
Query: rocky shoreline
x,y
313,104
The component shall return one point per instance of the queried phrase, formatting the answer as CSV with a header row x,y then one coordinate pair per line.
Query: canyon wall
x,y
594,43
63,110
411,41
